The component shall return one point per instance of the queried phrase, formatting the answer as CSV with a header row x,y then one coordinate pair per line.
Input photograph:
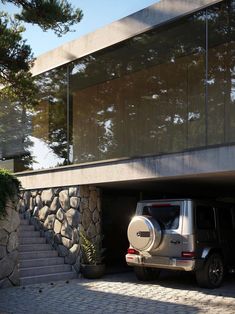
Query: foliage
x,y
57,15
9,189
15,62
92,253
16,57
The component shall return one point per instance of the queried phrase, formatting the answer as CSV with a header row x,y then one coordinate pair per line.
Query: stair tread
x,y
43,252
47,275
49,266
43,258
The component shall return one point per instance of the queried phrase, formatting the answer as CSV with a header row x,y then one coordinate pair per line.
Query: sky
x,y
96,15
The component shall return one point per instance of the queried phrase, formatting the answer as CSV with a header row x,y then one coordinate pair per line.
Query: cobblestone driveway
x,y
120,293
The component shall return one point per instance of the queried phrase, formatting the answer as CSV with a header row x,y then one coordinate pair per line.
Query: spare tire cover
x,y
144,233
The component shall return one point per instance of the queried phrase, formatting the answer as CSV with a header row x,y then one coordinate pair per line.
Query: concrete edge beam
x,y
136,23
199,162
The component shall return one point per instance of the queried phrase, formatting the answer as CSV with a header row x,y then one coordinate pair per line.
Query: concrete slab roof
x,y
155,15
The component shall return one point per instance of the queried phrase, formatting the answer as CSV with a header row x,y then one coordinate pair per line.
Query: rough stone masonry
x,y
59,213
9,224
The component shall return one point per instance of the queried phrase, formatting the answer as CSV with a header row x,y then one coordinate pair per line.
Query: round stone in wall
x,y
72,254
60,215
47,196
73,217
66,230
3,237
55,205
67,242
73,191
93,200
86,219
11,221
64,199
12,242
91,231
57,238
27,196
57,226
39,201
74,202
96,216
3,251
43,212
49,222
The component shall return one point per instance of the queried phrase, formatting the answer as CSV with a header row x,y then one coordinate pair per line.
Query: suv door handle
x,y
175,242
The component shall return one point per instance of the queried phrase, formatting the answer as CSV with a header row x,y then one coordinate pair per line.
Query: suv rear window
x,y
166,215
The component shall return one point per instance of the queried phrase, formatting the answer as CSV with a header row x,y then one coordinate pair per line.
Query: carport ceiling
x,y
210,185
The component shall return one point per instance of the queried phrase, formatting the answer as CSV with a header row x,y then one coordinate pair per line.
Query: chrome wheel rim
x,y
216,271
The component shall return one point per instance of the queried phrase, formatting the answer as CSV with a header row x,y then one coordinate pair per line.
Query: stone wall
x,y
9,224
59,213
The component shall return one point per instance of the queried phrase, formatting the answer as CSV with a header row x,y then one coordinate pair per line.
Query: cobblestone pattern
x,y
59,213
120,293
9,224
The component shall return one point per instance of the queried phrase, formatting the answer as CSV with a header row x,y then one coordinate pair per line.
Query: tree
x,y
16,57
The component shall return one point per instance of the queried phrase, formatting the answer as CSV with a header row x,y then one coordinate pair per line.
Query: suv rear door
x,y
169,216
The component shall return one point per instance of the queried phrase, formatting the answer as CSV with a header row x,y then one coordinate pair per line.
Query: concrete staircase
x,y
38,261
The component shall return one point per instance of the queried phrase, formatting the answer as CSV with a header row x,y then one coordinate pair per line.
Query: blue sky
x,y
96,15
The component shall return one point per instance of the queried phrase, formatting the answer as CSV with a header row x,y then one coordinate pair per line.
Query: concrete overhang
x,y
153,16
216,162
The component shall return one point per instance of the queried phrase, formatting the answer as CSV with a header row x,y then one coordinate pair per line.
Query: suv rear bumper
x,y
186,264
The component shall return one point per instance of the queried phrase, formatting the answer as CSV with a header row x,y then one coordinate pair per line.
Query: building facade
x,y
144,107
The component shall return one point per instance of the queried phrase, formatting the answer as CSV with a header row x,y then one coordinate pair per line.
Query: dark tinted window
x,y
205,217
166,215
225,218
233,216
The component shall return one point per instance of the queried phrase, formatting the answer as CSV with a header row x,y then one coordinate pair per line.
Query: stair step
x,y
34,247
38,261
24,222
30,233
31,240
26,227
44,270
49,277
37,254
41,262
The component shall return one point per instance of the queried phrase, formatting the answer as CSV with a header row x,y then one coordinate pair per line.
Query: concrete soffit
x,y
155,15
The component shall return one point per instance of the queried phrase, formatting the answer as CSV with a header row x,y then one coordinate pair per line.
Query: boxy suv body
x,y
182,234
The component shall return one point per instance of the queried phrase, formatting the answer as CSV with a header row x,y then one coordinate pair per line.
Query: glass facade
x,y
168,90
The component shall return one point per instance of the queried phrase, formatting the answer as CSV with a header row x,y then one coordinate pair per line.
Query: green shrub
x,y
92,253
9,189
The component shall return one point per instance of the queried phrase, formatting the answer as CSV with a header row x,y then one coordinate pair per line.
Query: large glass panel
x,y
142,97
221,71
36,138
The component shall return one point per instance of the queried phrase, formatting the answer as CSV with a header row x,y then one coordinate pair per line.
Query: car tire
x,y
212,273
146,273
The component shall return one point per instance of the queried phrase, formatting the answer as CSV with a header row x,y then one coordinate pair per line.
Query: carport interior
x,y
119,202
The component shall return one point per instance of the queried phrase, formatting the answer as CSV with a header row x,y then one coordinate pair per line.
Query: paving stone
x,y
120,293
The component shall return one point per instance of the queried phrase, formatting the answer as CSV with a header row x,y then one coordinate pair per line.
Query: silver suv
x,y
182,234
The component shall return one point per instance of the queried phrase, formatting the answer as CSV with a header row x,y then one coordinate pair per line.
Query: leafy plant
x,y
9,189
92,253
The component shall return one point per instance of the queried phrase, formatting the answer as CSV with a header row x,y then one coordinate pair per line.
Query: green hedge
x,y
9,188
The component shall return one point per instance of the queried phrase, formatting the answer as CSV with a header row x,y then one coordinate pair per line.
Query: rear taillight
x,y
132,251
188,254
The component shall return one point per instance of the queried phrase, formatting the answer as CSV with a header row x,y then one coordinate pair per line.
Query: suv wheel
x,y
212,273
146,273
